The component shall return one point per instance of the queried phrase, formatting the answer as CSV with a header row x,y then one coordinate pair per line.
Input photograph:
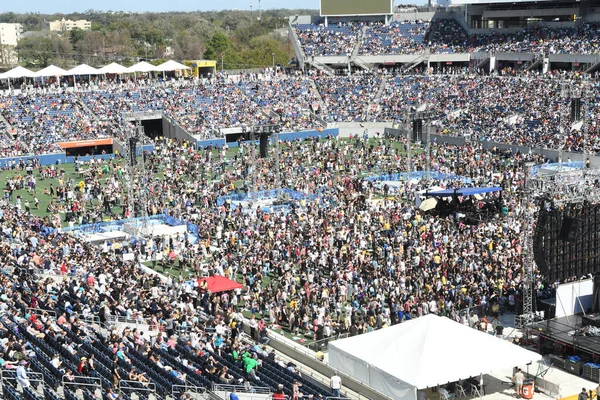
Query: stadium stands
x,y
42,120
346,98
444,36
318,40
396,38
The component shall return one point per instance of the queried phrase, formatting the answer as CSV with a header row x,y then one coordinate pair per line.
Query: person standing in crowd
x,y
22,375
233,395
335,383
253,324
583,395
518,380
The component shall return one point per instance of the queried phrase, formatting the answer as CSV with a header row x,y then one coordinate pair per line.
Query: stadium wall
x,y
210,142
282,136
50,159
173,130
460,141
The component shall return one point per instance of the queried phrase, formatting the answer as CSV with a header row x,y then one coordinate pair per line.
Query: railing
x,y
139,320
218,387
323,344
136,386
196,392
39,311
90,320
91,381
317,375
36,378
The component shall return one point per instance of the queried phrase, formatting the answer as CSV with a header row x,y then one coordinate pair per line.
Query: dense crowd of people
x,y
528,109
443,36
333,40
405,37
355,254
41,121
360,257
347,99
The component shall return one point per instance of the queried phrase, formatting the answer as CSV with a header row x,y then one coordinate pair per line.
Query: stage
x,y
575,354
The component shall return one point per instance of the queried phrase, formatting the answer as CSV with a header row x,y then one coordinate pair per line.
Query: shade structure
x,y
218,283
51,70
113,68
422,353
470,191
428,204
18,72
83,69
172,66
142,66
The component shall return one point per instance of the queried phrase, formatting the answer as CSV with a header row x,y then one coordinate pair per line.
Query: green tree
x,y
76,35
218,44
39,50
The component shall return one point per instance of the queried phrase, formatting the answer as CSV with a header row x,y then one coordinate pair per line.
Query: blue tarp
x,y
266,194
403,176
573,164
462,191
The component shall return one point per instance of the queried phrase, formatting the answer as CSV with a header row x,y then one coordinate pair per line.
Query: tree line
x,y
236,39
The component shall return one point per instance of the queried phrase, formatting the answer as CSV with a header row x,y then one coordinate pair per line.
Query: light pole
x,y
221,62
273,55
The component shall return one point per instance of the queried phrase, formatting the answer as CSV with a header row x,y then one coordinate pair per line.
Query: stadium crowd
x,y
354,256
443,36
351,261
319,40
528,111
396,38
524,109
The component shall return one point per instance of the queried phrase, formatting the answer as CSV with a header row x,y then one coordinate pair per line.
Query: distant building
x,y
10,33
65,25
9,37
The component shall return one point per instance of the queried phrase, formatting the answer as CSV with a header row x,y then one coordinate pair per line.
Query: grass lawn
x,y
70,174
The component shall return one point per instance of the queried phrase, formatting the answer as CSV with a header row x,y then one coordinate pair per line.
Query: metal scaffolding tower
x,y
528,260
563,187
278,180
137,178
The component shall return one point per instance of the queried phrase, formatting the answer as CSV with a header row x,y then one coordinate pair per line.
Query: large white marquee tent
x,y
83,69
423,353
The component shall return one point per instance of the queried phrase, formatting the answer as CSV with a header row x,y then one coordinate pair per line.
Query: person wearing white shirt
x,y
335,384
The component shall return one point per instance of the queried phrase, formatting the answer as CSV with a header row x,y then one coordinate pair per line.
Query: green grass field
x,y
70,174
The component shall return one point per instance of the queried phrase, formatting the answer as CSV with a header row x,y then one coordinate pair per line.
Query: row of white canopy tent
x,y
83,69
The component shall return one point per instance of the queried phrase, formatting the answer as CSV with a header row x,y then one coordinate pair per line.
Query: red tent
x,y
218,283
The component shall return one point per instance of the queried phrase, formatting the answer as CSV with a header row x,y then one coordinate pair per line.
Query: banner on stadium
x,y
86,143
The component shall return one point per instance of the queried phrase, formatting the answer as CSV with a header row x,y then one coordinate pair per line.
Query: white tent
x,y
83,69
142,66
422,353
172,66
18,72
51,70
113,68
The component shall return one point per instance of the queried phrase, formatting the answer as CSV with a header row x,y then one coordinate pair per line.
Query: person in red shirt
x,y
83,368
